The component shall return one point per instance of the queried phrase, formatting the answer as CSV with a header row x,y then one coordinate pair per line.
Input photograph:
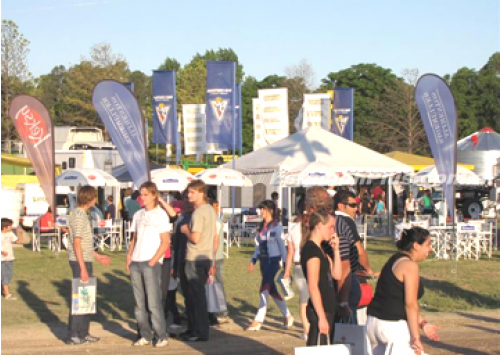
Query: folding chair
x,y
52,238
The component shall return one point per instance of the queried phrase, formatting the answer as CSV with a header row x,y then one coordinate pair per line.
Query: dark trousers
x,y
165,281
79,325
168,297
312,338
196,300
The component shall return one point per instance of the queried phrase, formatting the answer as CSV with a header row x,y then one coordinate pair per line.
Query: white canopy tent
x,y
266,165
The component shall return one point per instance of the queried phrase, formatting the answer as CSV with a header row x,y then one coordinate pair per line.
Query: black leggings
x,y
312,338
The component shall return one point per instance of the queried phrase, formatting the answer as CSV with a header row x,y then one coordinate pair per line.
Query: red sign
x,y
213,176
92,177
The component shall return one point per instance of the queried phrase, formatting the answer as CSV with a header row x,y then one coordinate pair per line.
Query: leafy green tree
x,y
489,93
80,82
368,81
170,64
399,117
16,78
464,86
49,91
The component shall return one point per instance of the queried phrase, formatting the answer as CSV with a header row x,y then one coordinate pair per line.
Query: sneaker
x,y
77,341
92,339
10,297
303,336
161,343
195,338
175,326
224,319
185,335
141,342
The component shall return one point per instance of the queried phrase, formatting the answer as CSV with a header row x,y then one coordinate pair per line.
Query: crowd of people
x,y
323,250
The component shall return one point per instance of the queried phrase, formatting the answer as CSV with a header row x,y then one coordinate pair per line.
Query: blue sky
x,y
438,36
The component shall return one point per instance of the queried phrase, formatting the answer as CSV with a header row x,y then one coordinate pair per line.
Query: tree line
x,y
385,113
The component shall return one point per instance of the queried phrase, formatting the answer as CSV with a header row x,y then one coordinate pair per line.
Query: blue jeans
x,y
146,284
269,267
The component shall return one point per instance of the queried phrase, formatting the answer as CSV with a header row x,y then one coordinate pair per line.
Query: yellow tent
x,y
417,162
12,180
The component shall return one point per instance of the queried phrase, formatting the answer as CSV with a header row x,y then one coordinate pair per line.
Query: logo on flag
x,y
342,123
162,113
31,126
219,106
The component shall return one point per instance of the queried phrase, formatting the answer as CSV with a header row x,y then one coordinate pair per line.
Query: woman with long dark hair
x,y
320,270
269,250
394,321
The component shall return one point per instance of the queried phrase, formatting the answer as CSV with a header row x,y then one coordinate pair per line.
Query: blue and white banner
x,y
343,113
220,104
164,107
120,112
439,115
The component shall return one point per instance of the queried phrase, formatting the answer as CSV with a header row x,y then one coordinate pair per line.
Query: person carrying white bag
x,y
394,321
320,270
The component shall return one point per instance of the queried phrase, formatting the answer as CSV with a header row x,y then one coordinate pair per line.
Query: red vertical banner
x,y
35,128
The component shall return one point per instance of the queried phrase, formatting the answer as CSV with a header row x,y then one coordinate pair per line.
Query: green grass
x,y
42,282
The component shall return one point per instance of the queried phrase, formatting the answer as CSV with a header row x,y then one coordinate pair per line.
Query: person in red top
x,y
47,222
178,203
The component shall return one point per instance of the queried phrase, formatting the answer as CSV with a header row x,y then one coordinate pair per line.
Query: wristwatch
x,y
344,304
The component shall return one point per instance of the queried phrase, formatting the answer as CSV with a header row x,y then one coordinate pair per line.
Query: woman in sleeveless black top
x,y
319,269
393,315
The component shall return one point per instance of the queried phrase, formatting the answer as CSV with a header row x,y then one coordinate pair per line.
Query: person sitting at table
x,y
47,222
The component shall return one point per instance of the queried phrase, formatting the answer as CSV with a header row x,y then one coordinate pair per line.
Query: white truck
x,y
34,203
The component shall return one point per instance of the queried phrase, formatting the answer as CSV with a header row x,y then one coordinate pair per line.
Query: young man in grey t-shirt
x,y
202,236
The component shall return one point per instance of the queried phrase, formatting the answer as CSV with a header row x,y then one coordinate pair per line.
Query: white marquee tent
x,y
266,165
313,144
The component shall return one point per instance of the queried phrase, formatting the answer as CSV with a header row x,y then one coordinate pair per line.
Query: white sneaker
x,y
141,342
161,343
175,326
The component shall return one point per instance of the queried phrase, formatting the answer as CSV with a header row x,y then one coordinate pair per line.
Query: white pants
x,y
388,337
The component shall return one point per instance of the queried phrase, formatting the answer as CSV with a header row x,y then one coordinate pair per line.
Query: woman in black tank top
x,y
393,315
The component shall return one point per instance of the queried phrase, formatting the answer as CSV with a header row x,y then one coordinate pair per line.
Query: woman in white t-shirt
x,y
293,257
410,204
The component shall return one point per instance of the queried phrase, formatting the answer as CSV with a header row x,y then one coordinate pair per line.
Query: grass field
x,y
42,282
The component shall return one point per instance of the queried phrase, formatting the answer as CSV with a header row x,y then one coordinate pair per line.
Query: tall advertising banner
x,y
35,127
194,129
120,112
164,107
274,114
343,113
439,115
314,111
220,104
